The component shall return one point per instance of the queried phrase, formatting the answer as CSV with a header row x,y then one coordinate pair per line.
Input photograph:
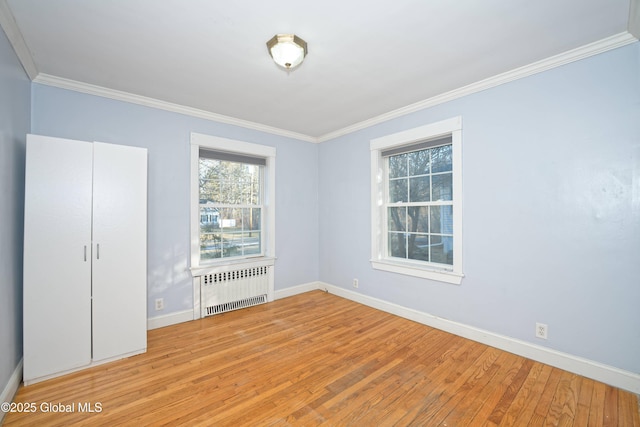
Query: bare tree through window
x,y
230,208
420,205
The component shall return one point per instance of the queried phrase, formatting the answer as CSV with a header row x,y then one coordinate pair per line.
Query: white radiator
x,y
233,290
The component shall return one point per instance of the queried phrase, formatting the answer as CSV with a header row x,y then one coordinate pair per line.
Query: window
x,y
416,202
232,201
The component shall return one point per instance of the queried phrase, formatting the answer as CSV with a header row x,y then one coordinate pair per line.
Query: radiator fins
x,y
236,305
233,290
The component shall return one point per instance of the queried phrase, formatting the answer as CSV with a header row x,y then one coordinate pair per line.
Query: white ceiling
x,y
366,58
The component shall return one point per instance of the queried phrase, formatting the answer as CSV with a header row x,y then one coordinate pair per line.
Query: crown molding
x,y
573,55
10,27
118,95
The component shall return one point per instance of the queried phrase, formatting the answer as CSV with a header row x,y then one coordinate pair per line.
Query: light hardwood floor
x,y
317,359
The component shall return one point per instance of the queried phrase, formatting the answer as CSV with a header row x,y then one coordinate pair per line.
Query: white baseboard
x,y
188,315
300,289
588,368
169,319
11,388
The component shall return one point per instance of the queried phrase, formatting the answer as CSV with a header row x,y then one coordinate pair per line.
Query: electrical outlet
x,y
159,304
541,331
355,283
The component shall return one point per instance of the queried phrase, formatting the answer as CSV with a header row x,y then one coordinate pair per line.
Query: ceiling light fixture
x,y
287,50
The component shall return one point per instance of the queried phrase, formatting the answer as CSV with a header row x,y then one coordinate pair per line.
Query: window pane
x,y
209,184
251,243
419,162
231,244
418,247
441,159
441,219
252,218
230,219
209,218
209,192
397,219
398,166
419,189
418,219
442,249
398,191
442,187
397,246
253,184
210,245
232,190
229,182
209,233
247,183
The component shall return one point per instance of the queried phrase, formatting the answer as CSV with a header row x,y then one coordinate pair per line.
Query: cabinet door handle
x,y
85,253
98,251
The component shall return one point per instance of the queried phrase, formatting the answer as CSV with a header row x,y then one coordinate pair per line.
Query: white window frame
x,y
235,147
379,182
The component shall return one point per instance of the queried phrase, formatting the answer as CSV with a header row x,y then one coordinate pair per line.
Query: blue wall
x,y
15,106
67,114
551,202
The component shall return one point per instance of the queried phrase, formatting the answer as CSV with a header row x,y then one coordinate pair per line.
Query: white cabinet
x,y
85,255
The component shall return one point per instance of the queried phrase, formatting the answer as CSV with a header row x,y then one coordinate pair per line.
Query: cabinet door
x,y
120,250
57,256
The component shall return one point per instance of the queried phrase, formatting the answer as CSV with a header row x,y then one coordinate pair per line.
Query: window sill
x,y
418,271
227,265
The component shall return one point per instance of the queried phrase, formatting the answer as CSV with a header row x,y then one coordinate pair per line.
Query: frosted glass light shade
x,y
287,50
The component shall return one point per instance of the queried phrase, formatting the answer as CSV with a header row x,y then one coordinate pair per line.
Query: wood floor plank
x,y
546,397
610,407
493,392
626,404
584,402
510,393
475,399
427,398
458,391
317,359
531,399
